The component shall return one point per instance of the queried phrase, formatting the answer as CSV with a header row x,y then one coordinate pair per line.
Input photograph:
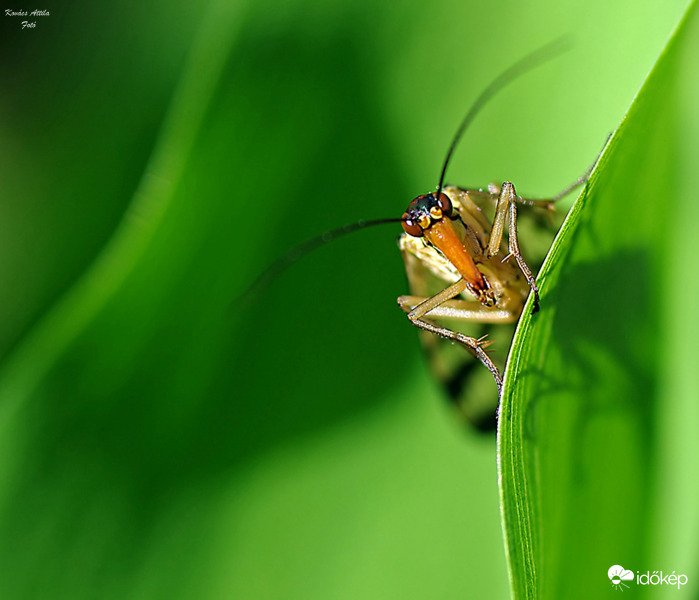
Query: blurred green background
x,y
155,440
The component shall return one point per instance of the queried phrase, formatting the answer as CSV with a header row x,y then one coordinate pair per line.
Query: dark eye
x,y
445,204
411,227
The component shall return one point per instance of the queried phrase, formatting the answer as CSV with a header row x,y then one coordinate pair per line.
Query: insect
x,y
462,268
463,264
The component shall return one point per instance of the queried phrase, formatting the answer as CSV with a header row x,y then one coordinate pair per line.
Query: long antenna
x,y
297,253
524,65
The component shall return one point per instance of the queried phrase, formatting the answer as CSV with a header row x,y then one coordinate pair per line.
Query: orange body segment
x,y
444,237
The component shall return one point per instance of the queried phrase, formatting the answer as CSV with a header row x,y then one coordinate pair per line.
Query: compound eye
x,y
411,227
445,204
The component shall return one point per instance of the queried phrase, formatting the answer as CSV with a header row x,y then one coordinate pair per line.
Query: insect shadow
x,y
585,389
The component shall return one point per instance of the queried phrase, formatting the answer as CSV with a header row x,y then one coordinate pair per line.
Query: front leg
x,y
506,209
473,345
470,311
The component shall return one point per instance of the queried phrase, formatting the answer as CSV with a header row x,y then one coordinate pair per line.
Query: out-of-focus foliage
x,y
157,441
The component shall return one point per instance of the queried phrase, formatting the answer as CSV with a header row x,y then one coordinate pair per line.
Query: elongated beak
x,y
443,236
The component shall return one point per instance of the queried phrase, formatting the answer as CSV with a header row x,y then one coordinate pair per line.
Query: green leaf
x,y
596,435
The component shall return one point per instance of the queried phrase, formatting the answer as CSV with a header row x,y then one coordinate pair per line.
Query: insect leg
x,y
476,347
494,190
548,203
506,209
461,310
513,247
